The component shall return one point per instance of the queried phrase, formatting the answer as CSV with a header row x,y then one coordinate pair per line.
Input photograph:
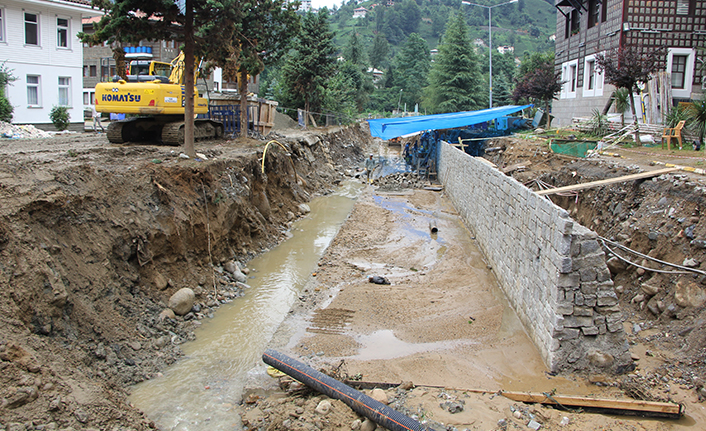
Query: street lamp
x,y
490,44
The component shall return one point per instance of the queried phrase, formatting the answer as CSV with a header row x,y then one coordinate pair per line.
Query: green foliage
x,y
353,52
677,114
378,51
412,65
454,79
697,112
621,98
59,115
6,109
598,123
309,65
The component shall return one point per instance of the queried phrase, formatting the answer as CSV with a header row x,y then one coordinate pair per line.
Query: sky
x,y
328,3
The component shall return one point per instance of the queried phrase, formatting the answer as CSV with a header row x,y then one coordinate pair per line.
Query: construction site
x,y
142,288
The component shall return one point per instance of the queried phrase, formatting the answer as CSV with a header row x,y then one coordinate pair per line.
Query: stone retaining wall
x,y
552,269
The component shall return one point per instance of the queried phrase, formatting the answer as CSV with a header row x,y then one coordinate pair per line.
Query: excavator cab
x,y
146,71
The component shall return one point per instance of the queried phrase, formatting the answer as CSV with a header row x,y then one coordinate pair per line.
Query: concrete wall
x,y
551,269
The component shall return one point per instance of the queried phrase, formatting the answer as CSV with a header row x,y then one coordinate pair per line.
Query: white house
x,y
39,45
360,12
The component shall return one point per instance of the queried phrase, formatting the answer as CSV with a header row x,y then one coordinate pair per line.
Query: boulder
x,y
379,395
689,294
600,359
160,281
649,289
182,301
304,208
615,265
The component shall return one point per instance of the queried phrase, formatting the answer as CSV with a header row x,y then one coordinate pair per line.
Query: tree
x,y
625,67
6,108
410,14
413,64
308,66
379,50
353,52
264,34
454,79
130,21
540,85
697,112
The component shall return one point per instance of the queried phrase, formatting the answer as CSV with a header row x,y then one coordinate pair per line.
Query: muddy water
x,y
199,392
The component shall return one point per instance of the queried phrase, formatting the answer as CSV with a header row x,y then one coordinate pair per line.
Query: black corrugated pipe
x,y
359,402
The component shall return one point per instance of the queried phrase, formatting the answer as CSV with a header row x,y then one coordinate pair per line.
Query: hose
x,y
359,402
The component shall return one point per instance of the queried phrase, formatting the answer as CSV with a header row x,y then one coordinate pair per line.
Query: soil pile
x,y
95,240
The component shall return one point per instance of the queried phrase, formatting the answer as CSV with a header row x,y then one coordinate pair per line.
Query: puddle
x,y
381,345
200,391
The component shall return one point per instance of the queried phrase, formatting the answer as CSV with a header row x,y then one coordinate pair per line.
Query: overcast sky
x,y
328,3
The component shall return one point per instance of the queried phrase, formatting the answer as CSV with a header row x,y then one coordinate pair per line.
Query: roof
x,y
388,128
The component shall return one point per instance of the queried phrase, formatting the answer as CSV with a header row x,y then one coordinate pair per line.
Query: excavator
x,y
154,92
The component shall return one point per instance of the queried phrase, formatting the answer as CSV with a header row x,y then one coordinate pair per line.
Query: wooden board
x,y
516,166
582,186
653,407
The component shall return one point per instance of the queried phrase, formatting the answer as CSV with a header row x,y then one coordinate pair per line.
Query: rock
x,y
638,298
517,414
600,359
368,425
615,265
653,306
649,289
597,379
452,406
305,209
378,279
662,201
636,328
699,243
533,424
81,415
689,294
653,235
167,313
182,301
379,395
160,281
406,385
690,262
355,425
620,289
231,266
689,231
640,272
323,407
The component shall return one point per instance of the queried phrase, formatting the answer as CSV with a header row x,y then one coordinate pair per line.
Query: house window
x,y
680,63
92,70
2,25
33,92
573,21
592,79
685,7
679,71
594,12
569,76
62,32
31,28
64,91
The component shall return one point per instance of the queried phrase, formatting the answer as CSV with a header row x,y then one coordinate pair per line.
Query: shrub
x,y
598,123
5,109
59,115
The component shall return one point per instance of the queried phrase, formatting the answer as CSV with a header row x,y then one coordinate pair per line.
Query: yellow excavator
x,y
154,91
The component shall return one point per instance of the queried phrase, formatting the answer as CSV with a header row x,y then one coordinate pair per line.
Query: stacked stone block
x,y
551,269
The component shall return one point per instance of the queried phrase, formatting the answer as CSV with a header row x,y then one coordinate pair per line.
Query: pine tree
x,y
353,52
413,63
311,62
454,79
378,52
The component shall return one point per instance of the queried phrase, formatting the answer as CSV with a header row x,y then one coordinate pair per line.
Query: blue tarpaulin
x,y
388,128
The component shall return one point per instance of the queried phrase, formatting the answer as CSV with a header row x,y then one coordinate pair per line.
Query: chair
x,y
672,133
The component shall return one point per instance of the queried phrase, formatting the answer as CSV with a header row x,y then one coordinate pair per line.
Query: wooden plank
x,y
624,178
516,166
654,407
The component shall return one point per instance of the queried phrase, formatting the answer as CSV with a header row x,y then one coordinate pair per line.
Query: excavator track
x,y
160,130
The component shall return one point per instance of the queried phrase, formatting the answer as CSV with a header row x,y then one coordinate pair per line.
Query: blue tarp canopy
x,y
388,128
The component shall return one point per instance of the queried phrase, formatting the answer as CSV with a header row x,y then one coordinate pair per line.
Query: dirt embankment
x,y
95,238
659,218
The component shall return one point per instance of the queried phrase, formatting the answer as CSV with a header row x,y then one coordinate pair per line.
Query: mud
x,y
95,238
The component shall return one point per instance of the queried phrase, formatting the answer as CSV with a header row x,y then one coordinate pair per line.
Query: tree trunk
x,y
243,90
188,84
306,111
549,117
634,116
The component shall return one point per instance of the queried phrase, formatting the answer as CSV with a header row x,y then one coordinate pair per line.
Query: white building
x,y
360,12
38,44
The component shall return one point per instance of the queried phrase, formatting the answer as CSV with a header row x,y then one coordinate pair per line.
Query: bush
x,y
5,109
59,115
598,123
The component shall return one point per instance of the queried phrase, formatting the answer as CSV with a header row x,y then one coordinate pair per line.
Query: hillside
x,y
526,25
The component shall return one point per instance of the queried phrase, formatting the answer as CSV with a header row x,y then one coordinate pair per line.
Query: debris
x,y
14,131
534,425
378,279
591,184
643,408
